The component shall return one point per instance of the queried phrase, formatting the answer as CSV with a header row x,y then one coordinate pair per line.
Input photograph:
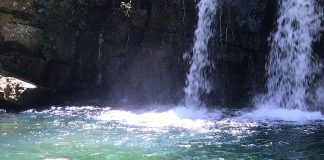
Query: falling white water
x,y
197,82
291,65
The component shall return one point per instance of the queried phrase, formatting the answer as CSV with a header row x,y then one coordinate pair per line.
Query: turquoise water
x,y
90,133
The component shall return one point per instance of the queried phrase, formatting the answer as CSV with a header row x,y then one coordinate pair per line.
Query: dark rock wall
x,y
145,62
144,52
138,58
239,49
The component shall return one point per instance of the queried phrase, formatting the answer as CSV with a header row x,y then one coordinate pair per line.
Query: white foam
x,y
177,117
268,113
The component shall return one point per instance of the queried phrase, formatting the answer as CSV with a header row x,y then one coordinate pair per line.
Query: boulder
x,y
6,18
23,65
17,94
26,37
10,18
20,6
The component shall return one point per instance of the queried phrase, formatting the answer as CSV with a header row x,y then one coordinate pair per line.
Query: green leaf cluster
x,y
126,8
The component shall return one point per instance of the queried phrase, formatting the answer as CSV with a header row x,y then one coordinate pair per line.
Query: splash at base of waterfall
x,y
270,113
177,117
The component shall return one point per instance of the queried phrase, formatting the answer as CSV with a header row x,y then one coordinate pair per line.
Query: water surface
x,y
83,133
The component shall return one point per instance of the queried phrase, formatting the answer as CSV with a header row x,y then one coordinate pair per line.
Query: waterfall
x,y
291,67
197,83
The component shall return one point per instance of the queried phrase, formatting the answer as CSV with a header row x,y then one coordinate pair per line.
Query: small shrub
x,y
126,8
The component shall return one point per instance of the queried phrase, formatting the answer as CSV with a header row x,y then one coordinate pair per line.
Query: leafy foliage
x,y
126,8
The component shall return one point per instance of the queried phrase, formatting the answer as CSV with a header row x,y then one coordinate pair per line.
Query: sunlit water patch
x,y
189,118
103,133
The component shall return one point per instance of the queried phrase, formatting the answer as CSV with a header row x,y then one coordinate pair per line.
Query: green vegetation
x,y
126,8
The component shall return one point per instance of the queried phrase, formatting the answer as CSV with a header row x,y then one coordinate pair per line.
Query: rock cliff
x,y
134,57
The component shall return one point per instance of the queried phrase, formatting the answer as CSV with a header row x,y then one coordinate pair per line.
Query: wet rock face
x,y
27,37
135,45
143,53
249,13
139,57
239,49
148,78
